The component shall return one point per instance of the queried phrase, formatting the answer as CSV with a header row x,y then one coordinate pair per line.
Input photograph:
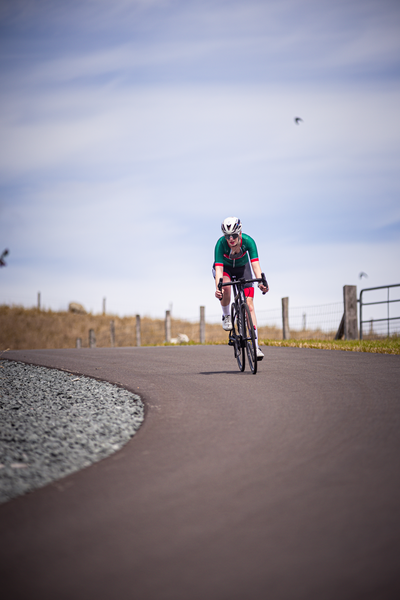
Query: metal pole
x,y
388,315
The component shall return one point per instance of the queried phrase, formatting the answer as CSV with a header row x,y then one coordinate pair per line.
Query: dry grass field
x,y
27,329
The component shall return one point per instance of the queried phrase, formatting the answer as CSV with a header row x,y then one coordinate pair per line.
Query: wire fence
x,y
34,328
152,332
304,321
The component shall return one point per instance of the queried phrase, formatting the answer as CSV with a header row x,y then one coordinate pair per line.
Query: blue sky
x,y
131,129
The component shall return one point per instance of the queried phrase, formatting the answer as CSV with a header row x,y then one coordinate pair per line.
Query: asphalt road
x,y
283,485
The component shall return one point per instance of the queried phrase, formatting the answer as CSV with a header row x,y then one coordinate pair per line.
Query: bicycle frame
x,y
238,293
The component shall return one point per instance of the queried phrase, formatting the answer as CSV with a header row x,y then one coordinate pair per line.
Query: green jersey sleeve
x,y
249,244
221,249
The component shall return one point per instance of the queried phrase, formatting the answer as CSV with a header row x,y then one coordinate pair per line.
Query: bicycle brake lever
x,y
265,282
220,287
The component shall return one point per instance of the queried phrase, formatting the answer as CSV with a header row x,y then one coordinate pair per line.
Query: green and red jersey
x,y
222,255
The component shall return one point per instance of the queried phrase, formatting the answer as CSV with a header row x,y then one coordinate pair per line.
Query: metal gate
x,y
388,302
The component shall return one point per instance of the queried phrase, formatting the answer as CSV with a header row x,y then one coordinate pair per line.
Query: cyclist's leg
x,y
226,300
250,304
226,304
249,293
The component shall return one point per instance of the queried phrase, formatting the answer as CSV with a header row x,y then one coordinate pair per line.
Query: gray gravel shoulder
x,y
53,423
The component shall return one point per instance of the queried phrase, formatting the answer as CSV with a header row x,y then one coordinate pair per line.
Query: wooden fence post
x,y
112,333
38,300
285,318
79,342
92,339
350,312
104,306
202,324
138,331
168,326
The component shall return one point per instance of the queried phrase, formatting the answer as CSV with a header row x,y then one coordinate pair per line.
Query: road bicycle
x,y
242,336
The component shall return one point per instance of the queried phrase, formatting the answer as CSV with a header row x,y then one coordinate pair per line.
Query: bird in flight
x,y
2,261
297,120
362,274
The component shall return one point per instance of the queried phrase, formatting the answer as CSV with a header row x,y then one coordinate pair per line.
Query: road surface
x,y
283,485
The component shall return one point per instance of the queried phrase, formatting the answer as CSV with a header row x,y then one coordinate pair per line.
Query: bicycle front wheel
x,y
236,337
250,338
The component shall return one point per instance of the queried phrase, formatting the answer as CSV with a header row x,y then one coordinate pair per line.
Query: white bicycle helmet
x,y
231,225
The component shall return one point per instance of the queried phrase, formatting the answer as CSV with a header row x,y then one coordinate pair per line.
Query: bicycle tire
x,y
250,338
236,337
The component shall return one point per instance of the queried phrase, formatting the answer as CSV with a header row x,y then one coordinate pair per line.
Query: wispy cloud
x,y
130,129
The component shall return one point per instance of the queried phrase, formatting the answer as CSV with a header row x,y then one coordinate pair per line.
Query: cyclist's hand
x,y
263,288
218,294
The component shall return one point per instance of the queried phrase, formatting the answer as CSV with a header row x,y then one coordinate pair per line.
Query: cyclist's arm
x,y
256,268
257,272
219,273
219,264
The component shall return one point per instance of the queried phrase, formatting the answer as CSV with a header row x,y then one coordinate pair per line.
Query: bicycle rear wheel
x,y
250,338
236,338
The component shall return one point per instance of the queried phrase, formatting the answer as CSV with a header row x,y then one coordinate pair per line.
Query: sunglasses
x,y
232,235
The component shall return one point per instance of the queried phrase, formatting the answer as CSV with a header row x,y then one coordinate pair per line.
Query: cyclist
x,y
232,252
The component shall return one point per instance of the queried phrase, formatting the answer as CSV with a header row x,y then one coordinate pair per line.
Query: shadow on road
x,y
233,372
